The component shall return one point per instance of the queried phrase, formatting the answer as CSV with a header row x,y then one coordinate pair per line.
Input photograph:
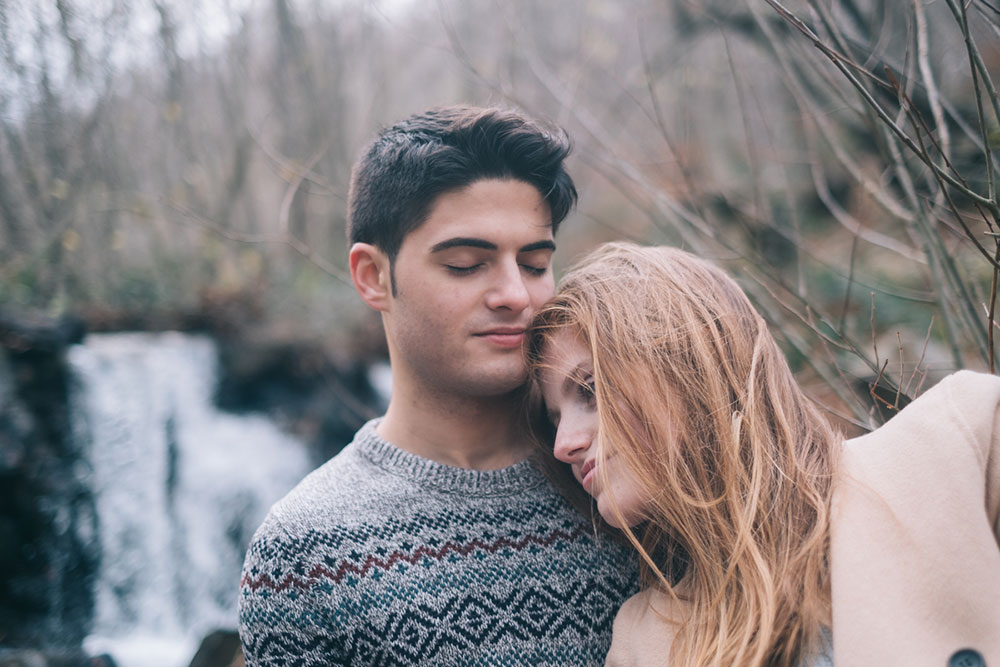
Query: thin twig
x,y
871,326
952,271
832,138
295,244
850,283
902,370
918,123
752,158
848,68
293,187
979,69
874,385
991,315
839,383
920,359
995,8
689,183
933,95
848,221
284,163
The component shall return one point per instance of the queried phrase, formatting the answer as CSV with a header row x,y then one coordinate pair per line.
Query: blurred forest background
x,y
166,157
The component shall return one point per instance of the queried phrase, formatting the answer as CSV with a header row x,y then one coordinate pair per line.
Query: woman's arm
x,y
914,547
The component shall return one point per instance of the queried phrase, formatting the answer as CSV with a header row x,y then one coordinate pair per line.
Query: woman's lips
x,y
587,475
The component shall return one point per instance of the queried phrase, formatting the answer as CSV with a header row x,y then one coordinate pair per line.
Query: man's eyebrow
x,y
461,241
470,242
538,245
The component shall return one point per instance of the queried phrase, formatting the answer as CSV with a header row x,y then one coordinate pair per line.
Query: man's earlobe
x,y
370,275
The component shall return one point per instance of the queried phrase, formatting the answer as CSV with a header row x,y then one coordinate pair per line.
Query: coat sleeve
x,y
915,560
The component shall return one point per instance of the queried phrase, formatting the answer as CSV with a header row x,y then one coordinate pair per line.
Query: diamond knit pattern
x,y
380,557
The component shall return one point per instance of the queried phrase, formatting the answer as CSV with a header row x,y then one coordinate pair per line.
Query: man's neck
x,y
473,433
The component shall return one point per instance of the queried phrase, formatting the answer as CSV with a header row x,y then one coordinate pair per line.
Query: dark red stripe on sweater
x,y
320,572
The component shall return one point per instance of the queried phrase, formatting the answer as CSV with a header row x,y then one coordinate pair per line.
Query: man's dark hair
x,y
407,166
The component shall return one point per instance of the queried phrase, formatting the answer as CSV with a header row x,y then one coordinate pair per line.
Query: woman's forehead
x,y
563,352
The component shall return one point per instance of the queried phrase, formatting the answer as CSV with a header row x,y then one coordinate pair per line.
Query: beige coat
x,y
915,543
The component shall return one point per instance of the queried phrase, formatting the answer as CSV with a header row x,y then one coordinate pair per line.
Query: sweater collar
x,y
507,481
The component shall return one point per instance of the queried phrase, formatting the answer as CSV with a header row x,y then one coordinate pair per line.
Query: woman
x,y
761,532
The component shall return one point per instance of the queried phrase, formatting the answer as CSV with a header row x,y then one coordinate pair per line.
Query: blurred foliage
x,y
836,155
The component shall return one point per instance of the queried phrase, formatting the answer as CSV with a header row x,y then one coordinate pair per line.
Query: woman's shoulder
x,y
962,386
965,403
644,629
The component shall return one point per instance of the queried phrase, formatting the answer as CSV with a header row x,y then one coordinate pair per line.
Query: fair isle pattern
x,y
379,561
382,558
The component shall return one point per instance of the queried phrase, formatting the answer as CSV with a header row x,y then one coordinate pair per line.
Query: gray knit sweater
x,y
380,557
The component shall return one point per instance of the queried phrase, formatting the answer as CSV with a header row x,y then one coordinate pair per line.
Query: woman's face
x,y
567,384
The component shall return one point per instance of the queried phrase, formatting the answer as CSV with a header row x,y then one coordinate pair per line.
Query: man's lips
x,y
503,336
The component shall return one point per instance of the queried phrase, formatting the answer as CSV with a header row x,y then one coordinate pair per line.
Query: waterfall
x,y
179,488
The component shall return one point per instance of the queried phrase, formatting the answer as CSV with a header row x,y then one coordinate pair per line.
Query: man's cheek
x,y
543,293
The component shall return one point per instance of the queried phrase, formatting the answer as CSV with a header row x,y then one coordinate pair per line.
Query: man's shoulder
x,y
324,515
347,487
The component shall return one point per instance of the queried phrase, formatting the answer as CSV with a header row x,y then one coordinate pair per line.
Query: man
x,y
431,538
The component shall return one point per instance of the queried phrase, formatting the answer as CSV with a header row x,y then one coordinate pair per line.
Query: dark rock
x,y
23,659
103,660
220,648
45,569
34,331
33,658
299,386
218,312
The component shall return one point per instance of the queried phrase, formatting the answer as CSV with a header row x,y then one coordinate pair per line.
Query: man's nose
x,y
571,444
509,292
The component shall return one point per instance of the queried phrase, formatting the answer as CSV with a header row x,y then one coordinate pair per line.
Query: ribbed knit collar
x,y
445,478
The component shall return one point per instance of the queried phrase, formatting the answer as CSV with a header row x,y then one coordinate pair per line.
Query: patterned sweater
x,y
381,557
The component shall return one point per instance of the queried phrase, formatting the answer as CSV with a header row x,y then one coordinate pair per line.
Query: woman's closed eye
x,y
587,391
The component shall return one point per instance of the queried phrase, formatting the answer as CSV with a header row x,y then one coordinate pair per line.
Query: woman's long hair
x,y
695,397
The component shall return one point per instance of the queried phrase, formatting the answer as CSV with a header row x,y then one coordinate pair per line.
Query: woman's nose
x,y
571,444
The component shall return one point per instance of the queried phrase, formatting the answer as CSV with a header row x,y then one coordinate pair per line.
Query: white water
x,y
179,488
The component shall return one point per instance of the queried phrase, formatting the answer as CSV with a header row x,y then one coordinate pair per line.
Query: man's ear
x,y
370,275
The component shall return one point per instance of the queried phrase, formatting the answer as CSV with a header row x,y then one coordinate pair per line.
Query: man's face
x,y
468,281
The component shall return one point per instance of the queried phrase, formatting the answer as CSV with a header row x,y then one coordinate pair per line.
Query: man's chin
x,y
498,382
